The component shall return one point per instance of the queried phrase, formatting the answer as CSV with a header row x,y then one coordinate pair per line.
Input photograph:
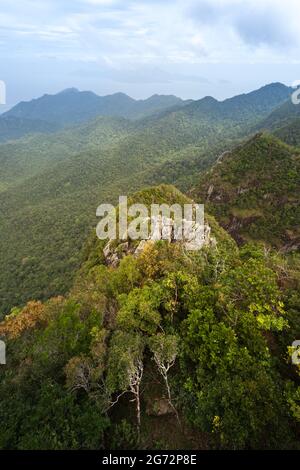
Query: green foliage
x,y
139,310
214,319
51,185
66,424
224,318
253,192
164,347
290,132
234,387
125,355
293,399
123,436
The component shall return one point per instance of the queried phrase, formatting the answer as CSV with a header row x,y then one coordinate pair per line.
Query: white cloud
x,y
131,39
182,30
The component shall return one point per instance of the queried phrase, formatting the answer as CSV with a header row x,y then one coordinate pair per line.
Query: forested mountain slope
x,y
12,127
244,108
45,218
33,154
219,319
290,132
51,185
282,115
254,192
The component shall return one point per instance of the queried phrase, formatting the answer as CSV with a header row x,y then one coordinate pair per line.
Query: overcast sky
x,y
190,48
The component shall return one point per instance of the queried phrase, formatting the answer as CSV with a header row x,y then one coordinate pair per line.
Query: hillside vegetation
x,y
254,192
51,185
129,345
290,133
12,127
89,370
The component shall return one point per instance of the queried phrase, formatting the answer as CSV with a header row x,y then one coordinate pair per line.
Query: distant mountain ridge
x,y
72,106
242,107
49,113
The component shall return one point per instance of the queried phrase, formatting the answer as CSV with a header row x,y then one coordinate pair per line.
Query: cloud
x,y
256,30
154,32
136,74
264,25
148,41
256,23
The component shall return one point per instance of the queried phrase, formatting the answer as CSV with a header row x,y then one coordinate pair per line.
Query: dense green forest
x,y
113,356
254,192
51,185
199,340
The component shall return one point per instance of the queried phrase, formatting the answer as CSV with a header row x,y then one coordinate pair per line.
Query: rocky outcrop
x,y
191,235
113,254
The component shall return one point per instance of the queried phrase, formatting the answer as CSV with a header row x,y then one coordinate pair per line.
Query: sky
x,y
190,48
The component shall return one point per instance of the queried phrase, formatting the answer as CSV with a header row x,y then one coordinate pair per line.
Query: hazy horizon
x,y
185,48
7,107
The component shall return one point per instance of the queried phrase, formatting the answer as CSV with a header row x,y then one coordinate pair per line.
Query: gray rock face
x,y
192,235
140,248
111,255
107,250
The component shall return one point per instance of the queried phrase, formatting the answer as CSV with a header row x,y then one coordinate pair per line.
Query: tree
x,y
236,393
252,287
86,371
165,350
79,373
139,310
21,320
125,367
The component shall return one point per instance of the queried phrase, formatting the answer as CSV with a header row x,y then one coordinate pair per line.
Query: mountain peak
x,y
274,85
71,106
68,91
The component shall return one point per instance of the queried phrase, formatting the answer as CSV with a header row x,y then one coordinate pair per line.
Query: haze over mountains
x,y
51,183
72,106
